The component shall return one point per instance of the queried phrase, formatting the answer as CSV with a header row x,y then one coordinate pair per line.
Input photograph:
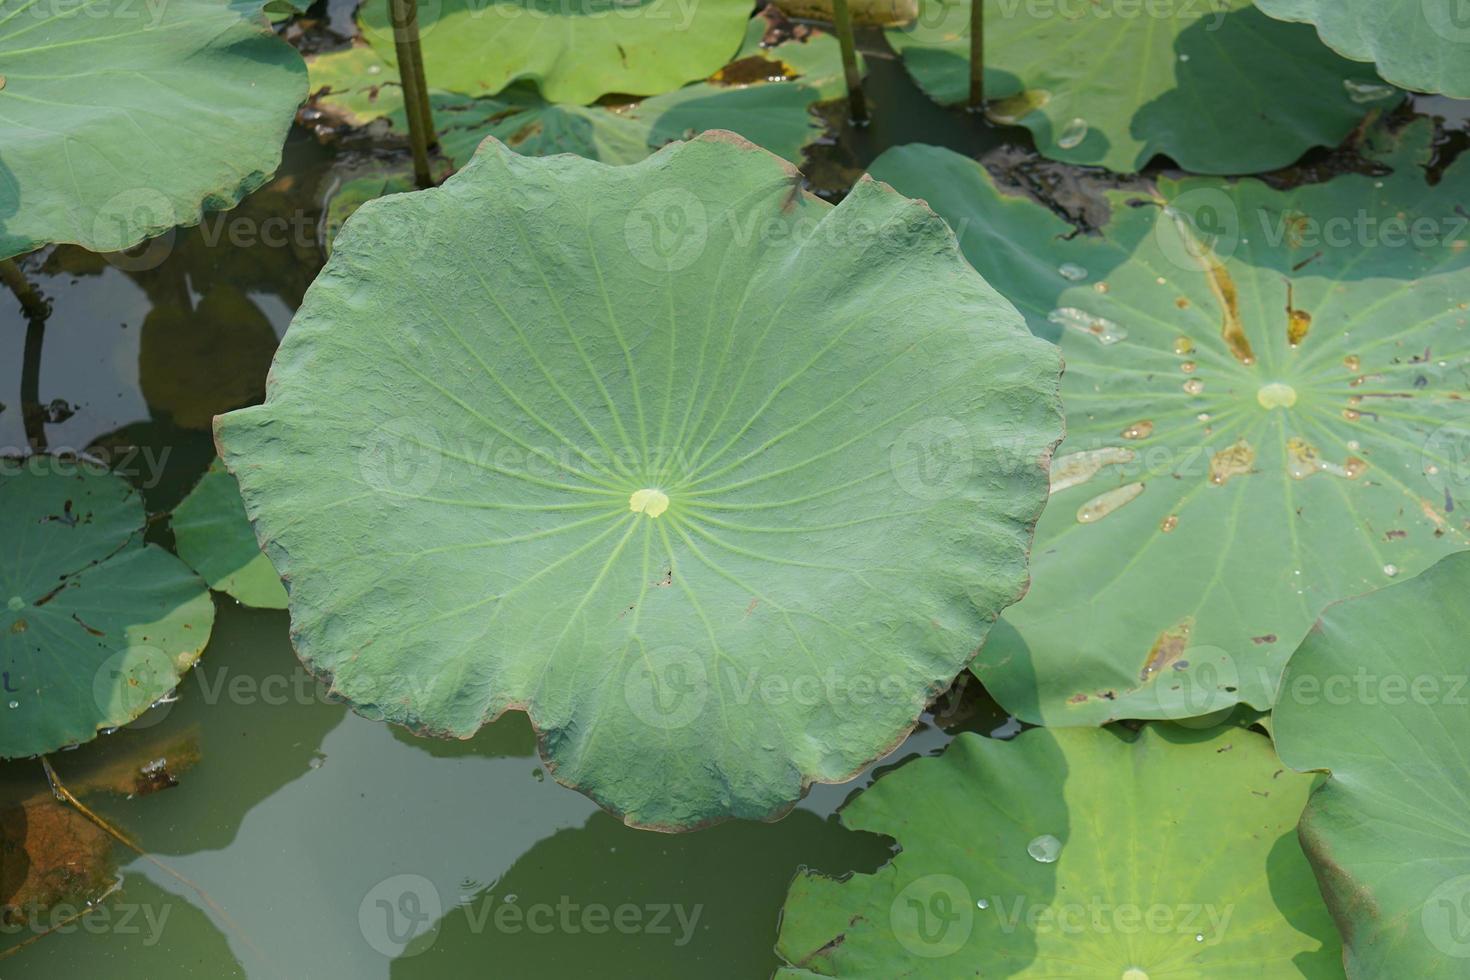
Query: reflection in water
x,y
604,900
293,817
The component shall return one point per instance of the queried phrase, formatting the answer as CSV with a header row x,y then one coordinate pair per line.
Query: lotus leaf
x,y
119,123
765,95
1417,44
575,51
719,483
213,535
1265,399
1074,853
1376,695
1205,83
95,625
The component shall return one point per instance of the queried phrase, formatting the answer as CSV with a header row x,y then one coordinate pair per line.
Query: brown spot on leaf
x,y
1232,461
526,132
1168,648
749,71
1298,322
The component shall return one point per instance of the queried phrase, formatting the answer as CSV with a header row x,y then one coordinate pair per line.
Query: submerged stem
x,y
59,789
31,300
842,21
36,309
404,15
977,54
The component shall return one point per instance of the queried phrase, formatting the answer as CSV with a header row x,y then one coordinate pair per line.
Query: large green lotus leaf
x,y
719,483
1377,696
1255,428
95,624
1205,83
765,95
118,124
1075,853
1418,44
574,52
214,536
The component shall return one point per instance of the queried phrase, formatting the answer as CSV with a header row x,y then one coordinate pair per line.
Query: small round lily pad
x,y
1074,853
95,624
213,535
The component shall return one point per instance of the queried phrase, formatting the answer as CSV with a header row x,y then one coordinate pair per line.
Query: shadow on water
x,y
605,900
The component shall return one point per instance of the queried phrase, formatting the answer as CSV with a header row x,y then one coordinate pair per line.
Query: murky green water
x,y
301,840
304,841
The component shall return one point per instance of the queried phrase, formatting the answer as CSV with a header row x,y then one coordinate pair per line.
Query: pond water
x,y
301,840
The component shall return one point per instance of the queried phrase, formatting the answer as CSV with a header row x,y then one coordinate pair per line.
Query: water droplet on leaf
x,y
1101,329
1075,469
1073,134
1105,503
1363,92
1276,395
1072,271
1045,849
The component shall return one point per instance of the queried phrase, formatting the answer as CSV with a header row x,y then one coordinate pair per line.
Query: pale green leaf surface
x,y
116,127
574,52
95,625
1377,696
1215,85
357,86
212,534
1171,583
1417,44
1177,858
456,460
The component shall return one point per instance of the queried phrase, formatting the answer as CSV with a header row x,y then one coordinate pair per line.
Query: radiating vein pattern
x,y
721,486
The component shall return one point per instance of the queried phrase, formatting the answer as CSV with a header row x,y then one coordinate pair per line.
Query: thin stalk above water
x,y
842,21
404,15
977,54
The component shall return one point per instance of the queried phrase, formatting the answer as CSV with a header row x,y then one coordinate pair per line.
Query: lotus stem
x,y
31,300
36,309
842,20
405,17
65,795
32,412
977,54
